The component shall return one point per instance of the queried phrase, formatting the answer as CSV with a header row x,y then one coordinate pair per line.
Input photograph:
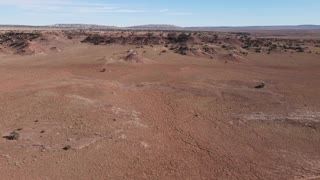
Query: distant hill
x,y
156,27
83,26
215,28
168,27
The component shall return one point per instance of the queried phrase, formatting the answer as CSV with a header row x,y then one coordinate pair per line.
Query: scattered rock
x,y
260,86
18,42
103,70
55,49
133,56
140,85
13,136
5,156
66,148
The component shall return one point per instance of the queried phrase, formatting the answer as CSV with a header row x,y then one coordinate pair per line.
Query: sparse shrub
x,y
299,49
258,50
182,38
182,50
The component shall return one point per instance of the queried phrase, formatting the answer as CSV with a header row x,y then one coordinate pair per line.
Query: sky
x,y
176,12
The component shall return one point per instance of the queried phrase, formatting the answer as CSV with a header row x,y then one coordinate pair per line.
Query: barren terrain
x,y
80,104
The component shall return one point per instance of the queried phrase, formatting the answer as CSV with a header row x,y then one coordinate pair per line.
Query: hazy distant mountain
x,y
309,26
212,28
156,27
216,28
170,27
83,26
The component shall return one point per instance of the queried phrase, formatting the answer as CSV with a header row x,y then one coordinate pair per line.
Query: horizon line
x,y
217,26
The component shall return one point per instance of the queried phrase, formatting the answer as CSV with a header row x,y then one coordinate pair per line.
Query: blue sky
x,y
177,12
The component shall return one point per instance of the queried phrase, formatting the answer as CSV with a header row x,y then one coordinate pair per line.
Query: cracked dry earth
x,y
180,117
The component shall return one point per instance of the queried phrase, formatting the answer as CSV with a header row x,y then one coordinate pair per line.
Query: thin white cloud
x,y
106,10
173,13
72,6
69,6
49,2
164,10
178,13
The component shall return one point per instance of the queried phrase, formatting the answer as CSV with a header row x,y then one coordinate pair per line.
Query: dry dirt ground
x,y
82,111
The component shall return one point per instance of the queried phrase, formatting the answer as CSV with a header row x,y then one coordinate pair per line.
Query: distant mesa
x,y
157,27
83,26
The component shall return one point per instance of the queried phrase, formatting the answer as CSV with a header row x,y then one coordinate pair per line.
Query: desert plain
x,y
89,104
